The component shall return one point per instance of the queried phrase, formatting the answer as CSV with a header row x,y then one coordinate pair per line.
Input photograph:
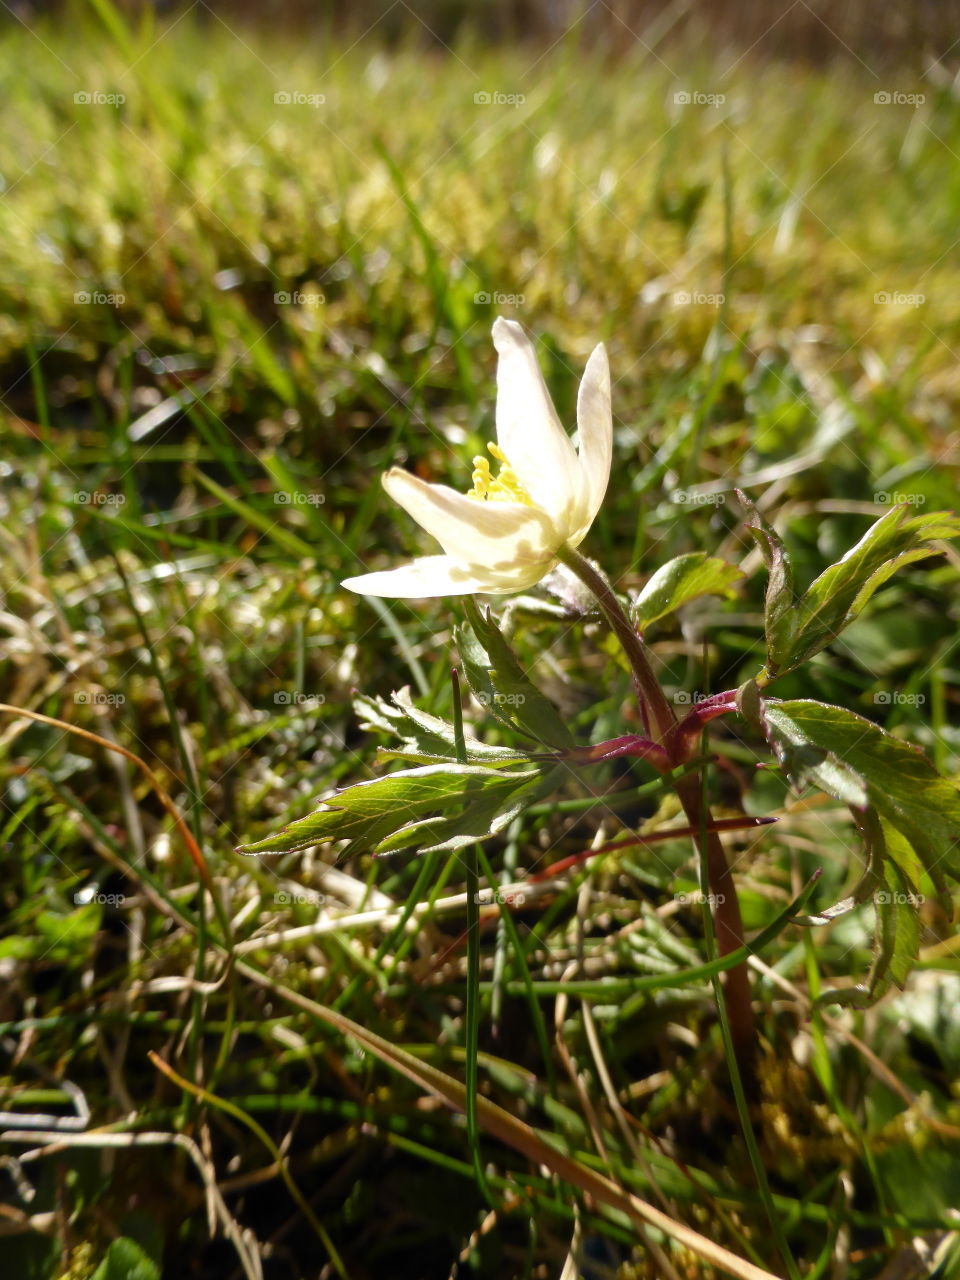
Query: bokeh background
x,y
249,257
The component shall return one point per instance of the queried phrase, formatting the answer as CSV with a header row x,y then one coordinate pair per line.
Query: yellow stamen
x,y
505,487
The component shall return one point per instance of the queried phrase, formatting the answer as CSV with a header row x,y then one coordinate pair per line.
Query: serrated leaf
x,y
840,593
500,683
682,579
483,815
858,762
425,738
908,815
370,814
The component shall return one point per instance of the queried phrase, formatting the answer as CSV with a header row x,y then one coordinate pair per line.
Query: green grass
x,y
190,611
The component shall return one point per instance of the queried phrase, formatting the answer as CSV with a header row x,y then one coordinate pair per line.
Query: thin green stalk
x,y
472,1011
823,1067
526,984
231,1109
193,812
426,875
609,989
611,799
731,1053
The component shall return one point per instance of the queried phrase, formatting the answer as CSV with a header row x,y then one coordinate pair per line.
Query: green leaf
x,y
908,814
125,1260
898,921
408,808
779,622
840,593
684,578
485,812
69,934
499,682
424,738
858,762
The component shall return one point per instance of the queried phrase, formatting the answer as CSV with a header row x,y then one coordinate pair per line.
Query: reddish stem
x,y
663,727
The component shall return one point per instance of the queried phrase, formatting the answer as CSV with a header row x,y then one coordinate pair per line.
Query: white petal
x,y
486,537
595,428
529,431
421,579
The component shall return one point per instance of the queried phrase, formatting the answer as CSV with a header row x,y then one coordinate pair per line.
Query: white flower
x,y
505,533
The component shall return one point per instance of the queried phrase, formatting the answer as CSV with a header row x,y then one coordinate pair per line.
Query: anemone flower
x,y
505,534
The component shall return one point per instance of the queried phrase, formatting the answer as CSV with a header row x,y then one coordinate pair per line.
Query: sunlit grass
x,y
190,467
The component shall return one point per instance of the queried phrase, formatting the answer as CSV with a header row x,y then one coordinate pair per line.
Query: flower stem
x,y
655,706
661,721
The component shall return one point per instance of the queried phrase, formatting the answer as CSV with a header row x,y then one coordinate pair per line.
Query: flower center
x,y
504,487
